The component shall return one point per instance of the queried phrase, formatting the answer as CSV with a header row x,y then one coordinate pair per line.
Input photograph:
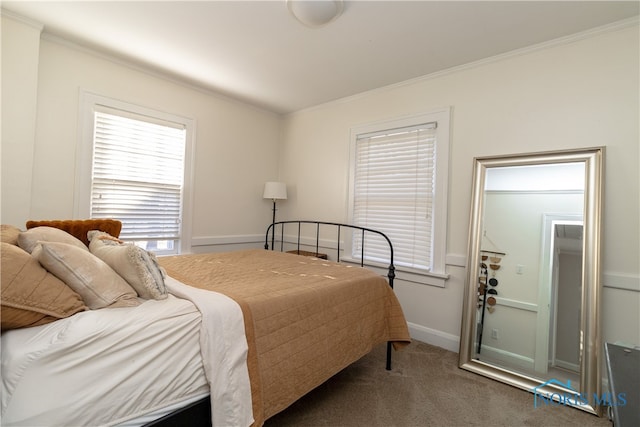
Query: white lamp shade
x,y
275,190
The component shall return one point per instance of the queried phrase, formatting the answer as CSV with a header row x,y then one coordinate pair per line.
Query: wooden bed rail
x,y
391,271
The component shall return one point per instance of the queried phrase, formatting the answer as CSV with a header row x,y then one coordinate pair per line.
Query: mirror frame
x,y
590,339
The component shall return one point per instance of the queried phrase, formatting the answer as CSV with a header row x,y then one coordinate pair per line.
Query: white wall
x,y
513,222
235,147
20,48
573,95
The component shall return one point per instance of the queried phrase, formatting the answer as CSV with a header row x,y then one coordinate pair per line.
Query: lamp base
x,y
273,227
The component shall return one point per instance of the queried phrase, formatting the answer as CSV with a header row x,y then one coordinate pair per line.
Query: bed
x,y
236,338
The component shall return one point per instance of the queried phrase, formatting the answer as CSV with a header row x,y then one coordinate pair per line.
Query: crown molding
x,y
150,70
16,17
572,38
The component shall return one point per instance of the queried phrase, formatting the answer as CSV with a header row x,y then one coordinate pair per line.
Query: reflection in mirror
x,y
521,204
566,289
533,250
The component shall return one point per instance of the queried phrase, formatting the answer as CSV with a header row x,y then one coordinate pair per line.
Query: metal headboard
x,y
271,229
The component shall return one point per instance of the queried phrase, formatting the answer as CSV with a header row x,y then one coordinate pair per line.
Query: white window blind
x,y
394,190
138,173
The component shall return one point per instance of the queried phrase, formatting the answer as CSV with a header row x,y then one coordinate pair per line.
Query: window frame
x,y
437,276
88,104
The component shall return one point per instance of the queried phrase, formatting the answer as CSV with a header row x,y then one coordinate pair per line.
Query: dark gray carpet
x,y
425,388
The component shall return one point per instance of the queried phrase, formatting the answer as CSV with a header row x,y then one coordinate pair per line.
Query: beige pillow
x,y
135,265
31,295
9,234
96,282
29,239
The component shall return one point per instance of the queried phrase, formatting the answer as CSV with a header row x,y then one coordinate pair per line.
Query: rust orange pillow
x,y
79,227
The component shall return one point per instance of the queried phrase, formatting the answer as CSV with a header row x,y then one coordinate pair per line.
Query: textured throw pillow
x,y
9,234
29,239
96,282
79,227
135,265
30,295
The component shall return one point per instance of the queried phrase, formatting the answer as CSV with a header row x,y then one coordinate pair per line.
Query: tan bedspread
x,y
305,319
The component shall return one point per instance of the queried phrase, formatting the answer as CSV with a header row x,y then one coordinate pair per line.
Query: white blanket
x,y
224,353
109,366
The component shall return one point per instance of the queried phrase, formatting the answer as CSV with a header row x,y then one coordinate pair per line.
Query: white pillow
x,y
29,239
135,265
97,284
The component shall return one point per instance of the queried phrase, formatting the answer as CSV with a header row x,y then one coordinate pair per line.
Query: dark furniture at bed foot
x,y
307,253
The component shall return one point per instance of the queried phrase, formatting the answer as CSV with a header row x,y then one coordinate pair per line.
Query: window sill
x,y
423,278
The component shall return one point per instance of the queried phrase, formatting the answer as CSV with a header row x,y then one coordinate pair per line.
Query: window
x,y
137,160
398,185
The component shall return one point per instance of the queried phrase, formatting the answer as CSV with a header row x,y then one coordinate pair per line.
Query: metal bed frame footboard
x,y
391,270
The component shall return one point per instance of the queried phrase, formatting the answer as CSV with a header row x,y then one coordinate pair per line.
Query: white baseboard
x,y
434,337
567,365
510,359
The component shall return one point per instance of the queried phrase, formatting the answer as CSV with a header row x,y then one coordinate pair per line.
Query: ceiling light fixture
x,y
315,13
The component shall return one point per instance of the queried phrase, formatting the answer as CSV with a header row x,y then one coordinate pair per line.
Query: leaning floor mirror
x,y
531,305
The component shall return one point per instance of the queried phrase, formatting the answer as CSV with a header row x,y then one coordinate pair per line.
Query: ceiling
x,y
257,52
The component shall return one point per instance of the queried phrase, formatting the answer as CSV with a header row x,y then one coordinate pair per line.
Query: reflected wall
x,y
531,315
